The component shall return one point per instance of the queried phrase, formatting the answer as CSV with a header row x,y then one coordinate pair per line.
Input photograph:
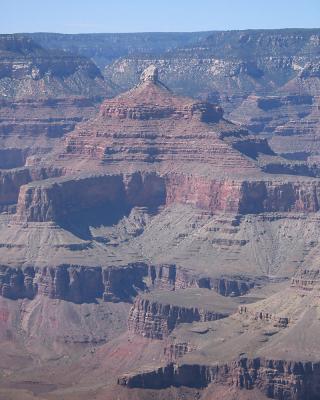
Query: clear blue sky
x,y
74,16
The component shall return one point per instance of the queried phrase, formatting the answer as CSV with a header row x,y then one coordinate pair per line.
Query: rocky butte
x,y
169,253
267,79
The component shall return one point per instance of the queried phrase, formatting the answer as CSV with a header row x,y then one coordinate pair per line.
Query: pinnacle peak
x,y
150,74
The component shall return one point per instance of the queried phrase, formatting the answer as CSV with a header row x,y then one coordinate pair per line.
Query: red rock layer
x,y
54,199
151,124
244,196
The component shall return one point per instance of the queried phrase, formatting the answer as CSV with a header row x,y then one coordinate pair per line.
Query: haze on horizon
x,y
81,16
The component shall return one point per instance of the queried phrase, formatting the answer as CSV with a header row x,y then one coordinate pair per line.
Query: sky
x,y
86,16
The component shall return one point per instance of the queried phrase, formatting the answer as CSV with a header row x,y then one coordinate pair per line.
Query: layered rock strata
x,y
43,94
78,283
153,319
11,181
53,200
33,125
276,379
74,283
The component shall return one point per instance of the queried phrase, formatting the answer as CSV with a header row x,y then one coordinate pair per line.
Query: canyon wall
x,y
244,197
31,123
79,284
277,379
156,320
12,179
54,200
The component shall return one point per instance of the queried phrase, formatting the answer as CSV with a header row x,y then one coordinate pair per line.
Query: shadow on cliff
x,y
79,223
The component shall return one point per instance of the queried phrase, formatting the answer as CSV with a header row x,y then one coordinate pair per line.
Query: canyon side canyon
x,y
160,216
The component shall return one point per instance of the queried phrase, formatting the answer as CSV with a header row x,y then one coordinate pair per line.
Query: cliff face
x,y
155,320
12,179
243,197
72,283
228,286
276,379
174,349
54,200
78,284
12,158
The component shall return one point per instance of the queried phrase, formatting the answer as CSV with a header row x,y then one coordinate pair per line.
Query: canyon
x,y
159,216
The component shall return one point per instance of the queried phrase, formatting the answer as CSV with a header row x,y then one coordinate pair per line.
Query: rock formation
x,y
159,201
156,315
258,353
43,94
265,79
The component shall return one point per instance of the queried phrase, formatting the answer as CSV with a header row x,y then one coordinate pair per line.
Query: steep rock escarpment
x,y
275,378
12,179
175,349
82,283
79,284
155,320
228,285
73,283
244,197
12,158
53,200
